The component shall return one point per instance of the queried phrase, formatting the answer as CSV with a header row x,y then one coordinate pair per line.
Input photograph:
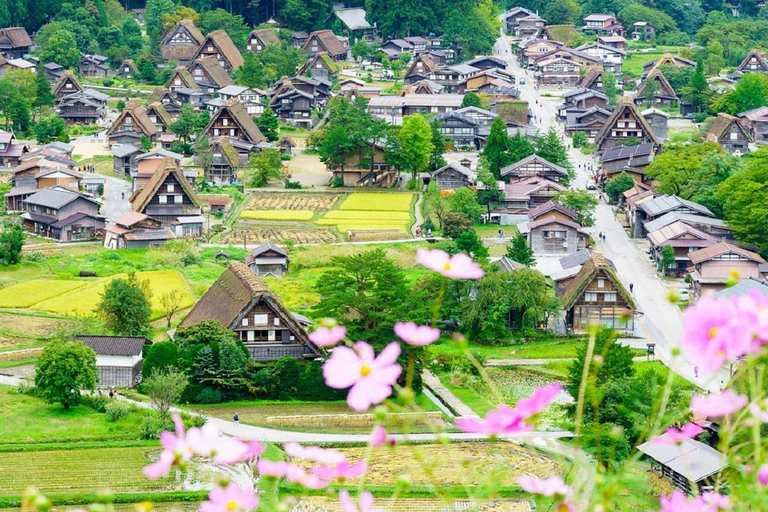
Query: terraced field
x,y
278,235
278,201
371,211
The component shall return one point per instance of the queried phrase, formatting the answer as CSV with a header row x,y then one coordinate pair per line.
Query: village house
x,y
241,302
452,77
393,108
519,197
666,60
14,42
715,265
320,65
730,133
232,121
425,86
94,66
630,159
160,117
128,69
62,215
181,78
625,122
208,75
717,228
225,162
181,42
659,121
86,107
26,173
511,18
169,198
296,100
124,161
11,151
368,168
558,71
454,176
218,44
148,163
249,97
533,49
66,84
167,99
394,48
654,208
268,260
583,59
588,121
665,95
8,64
286,145
355,25
421,68
552,234
616,42
52,71
592,79
498,76
130,126
745,287
571,265
643,31
611,58
684,239
483,117
552,209
603,25
530,26
755,62
581,99
534,165
326,41
298,38
460,130
59,177
596,295
134,230
259,39
688,466
756,121
119,359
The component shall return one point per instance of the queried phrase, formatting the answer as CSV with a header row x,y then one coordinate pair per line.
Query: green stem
x,y
583,384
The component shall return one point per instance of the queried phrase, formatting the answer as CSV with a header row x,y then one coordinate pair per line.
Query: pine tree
x,y
697,89
496,150
43,95
519,147
268,124
520,251
550,147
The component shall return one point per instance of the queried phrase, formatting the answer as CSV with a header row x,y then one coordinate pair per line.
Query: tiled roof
x,y
114,345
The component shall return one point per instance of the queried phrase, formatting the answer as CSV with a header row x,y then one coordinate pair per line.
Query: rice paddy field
x,y
297,215
368,210
295,201
79,296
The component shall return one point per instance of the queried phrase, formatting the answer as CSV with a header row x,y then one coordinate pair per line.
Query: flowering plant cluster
x,y
718,332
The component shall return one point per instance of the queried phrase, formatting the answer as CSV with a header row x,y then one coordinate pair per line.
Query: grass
x,y
633,64
28,419
492,230
634,495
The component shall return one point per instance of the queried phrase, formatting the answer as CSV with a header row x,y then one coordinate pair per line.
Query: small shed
x,y
286,145
684,463
454,176
268,260
118,358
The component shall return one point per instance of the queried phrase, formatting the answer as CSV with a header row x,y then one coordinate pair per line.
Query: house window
x,y
601,283
260,319
270,335
178,199
609,297
277,321
245,322
170,187
225,122
590,297
163,199
251,335
734,135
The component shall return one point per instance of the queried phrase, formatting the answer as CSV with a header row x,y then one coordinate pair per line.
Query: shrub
x,y
292,184
117,410
96,402
208,396
108,82
285,156
151,427
336,182
448,359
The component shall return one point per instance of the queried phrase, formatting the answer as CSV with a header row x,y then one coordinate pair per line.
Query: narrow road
x,y
116,194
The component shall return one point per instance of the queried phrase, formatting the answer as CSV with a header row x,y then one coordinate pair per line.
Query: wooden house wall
x,y
609,314
451,179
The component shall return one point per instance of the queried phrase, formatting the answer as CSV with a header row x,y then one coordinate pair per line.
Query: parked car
x,y
522,80
684,294
591,186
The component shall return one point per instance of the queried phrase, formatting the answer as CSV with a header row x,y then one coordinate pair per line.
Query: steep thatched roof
x,y
182,52
16,36
591,77
226,47
141,198
327,40
665,88
228,150
136,112
240,116
67,76
721,123
323,57
130,64
587,274
157,108
210,65
626,104
185,76
266,36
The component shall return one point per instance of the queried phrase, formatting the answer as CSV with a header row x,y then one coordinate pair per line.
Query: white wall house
x,y
118,358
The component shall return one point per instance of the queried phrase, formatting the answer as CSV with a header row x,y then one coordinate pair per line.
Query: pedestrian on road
x,y
631,287
696,371
111,393
236,418
600,235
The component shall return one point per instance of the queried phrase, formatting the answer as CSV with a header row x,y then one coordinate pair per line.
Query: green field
x,y
369,210
633,64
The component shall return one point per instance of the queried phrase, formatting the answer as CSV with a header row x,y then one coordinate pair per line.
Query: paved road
x,y
116,194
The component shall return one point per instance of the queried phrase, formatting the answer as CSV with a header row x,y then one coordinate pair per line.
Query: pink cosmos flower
x,y
348,504
343,470
459,266
762,474
565,506
314,453
291,472
505,419
718,404
759,411
176,451
675,436
378,436
552,486
678,502
327,337
417,335
254,449
716,501
231,498
207,442
370,377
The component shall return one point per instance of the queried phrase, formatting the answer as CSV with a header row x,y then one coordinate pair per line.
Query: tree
x,y
454,224
147,71
268,124
519,147
233,24
61,48
186,123
125,306
464,200
415,144
715,60
697,90
661,22
49,128
250,73
469,243
751,91
715,168
520,251
11,243
616,186
496,150
264,167
164,388
551,148
203,153
145,143
651,90
170,302
154,12
202,333
581,202
560,12
678,165
609,87
64,370
436,160
179,13
19,113
361,50
43,95
744,196
473,25
471,100
667,258
160,355
367,292
616,364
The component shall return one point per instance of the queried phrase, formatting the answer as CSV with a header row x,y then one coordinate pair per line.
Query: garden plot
x,y
80,296
278,201
37,326
278,236
458,464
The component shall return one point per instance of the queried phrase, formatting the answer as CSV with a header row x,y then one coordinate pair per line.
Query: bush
x,y
289,379
108,82
448,359
336,182
428,225
579,139
208,396
285,156
292,184
96,402
117,410
151,427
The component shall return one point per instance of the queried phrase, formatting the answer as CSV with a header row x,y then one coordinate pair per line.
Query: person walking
x,y
236,418
631,287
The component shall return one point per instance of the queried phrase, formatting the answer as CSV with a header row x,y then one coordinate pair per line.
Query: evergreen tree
x,y
551,148
520,251
436,161
519,147
609,87
153,20
268,124
496,150
697,91
43,95
471,100
651,90
147,71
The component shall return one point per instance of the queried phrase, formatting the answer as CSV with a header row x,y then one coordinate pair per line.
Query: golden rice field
x,y
295,201
367,201
64,298
278,236
296,215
